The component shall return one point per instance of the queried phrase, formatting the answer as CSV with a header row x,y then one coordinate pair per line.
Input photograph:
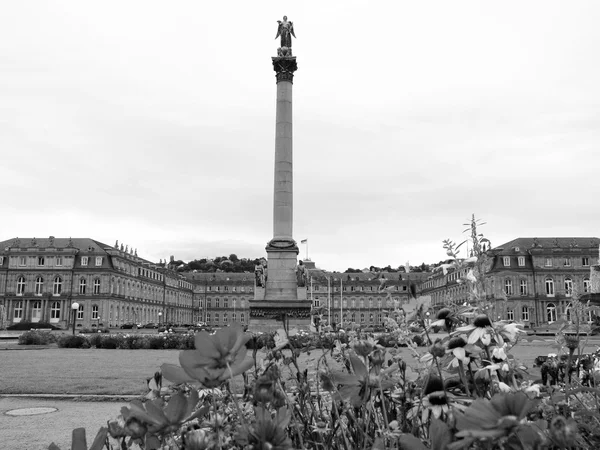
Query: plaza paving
x,y
36,432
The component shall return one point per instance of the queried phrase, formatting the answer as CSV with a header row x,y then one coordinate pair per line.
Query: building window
x,y
217,317
95,315
39,286
233,317
217,303
585,261
525,313
549,287
20,285
18,310
55,310
41,261
548,262
1,260
510,314
586,285
97,286
82,285
22,261
225,303
353,317
98,261
208,303
316,302
551,312
80,312
362,317
506,261
57,286
508,287
568,287
207,317
242,317
567,262
521,260
59,260
523,287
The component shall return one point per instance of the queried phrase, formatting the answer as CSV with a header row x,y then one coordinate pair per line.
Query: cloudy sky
x,y
152,122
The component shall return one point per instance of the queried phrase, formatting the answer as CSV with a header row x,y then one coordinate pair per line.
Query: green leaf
x,y
409,442
100,439
78,441
379,444
440,435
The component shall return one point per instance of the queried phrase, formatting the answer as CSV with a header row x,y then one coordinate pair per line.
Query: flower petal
x,y
176,408
239,367
205,345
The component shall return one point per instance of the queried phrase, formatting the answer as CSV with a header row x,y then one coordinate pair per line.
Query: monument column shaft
x,y
283,216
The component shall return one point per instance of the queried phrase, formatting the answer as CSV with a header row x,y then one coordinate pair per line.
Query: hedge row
x,y
186,341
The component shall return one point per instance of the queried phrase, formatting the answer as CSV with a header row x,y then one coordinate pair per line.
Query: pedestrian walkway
x,y
36,432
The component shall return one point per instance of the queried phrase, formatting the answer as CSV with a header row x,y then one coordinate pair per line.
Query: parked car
x,y
151,325
127,326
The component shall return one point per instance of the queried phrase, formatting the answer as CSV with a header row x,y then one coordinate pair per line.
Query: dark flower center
x,y
456,342
482,321
443,313
438,398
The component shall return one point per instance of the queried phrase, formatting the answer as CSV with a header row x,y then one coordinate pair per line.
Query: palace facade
x,y
530,280
40,280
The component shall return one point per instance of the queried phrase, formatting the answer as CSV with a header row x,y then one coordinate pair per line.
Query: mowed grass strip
x,y
124,372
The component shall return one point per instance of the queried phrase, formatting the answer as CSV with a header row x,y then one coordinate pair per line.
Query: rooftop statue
x,y
285,29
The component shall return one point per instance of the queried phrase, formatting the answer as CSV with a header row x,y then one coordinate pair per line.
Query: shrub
x,y
156,342
73,341
29,325
108,342
36,338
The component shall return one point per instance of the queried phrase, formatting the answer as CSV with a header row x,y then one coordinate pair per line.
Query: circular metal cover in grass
x,y
30,411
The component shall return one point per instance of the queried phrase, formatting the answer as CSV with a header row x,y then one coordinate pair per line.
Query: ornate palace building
x,y
40,279
357,297
530,280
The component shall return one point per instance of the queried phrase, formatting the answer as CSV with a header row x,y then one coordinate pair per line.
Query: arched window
x,y
568,287
362,317
568,315
217,304
225,304
234,304
549,287
508,287
551,312
353,317
82,285
233,317
242,317
39,286
586,285
225,317
20,286
57,286
80,312
55,311
97,286
523,287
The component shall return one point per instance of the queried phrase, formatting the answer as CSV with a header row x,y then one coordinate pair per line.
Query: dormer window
x,y
84,260
506,261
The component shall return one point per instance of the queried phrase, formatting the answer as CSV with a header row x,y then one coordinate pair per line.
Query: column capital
x,y
284,66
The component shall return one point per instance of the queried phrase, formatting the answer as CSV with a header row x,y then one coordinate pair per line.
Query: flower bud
x,y
437,350
563,432
363,348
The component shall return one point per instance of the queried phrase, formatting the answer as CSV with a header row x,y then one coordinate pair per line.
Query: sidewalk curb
x,y
76,397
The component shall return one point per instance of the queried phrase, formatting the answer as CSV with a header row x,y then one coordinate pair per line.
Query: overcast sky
x,y
153,123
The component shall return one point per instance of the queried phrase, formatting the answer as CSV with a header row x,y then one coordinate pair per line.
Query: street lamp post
x,y
159,317
75,308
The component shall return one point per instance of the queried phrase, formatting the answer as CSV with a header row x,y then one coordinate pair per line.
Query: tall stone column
x,y
282,250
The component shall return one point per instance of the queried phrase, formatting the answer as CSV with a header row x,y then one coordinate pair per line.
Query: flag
x,y
304,241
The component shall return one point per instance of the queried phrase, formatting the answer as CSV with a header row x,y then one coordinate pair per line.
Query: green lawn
x,y
120,372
